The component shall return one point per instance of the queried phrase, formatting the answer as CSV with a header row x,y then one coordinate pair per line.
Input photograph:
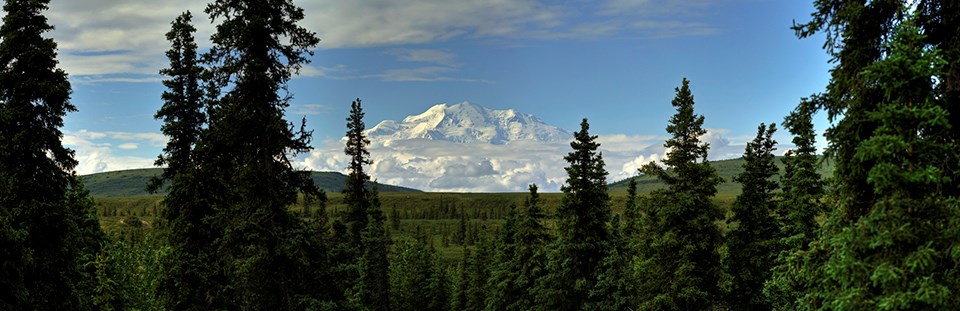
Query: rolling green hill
x,y
133,182
727,169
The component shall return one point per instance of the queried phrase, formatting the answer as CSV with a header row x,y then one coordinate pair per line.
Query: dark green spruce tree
x,y
518,275
372,289
355,192
679,259
460,282
631,212
802,187
891,242
529,258
800,204
270,258
616,287
189,281
753,241
479,272
582,233
48,229
183,103
502,278
418,281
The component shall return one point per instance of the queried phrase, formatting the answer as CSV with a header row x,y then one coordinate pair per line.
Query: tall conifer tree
x,y
617,287
753,243
800,204
631,212
679,259
372,291
801,183
529,259
355,191
269,258
191,269
502,277
182,111
891,242
47,227
512,281
582,232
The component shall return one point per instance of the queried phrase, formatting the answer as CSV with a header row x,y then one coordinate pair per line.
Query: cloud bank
x,y
423,164
433,165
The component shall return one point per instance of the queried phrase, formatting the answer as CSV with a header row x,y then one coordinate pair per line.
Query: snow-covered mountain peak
x,y
468,123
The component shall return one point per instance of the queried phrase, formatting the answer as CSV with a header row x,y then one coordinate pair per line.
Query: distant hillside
x,y
725,168
132,182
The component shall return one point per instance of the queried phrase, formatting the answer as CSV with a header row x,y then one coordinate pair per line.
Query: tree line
x,y
882,233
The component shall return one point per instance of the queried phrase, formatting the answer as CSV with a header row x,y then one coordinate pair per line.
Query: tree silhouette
x,y
48,229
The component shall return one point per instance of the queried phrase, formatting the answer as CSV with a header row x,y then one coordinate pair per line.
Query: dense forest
x,y
240,229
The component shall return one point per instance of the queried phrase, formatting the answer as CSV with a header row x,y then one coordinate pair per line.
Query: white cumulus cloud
x,y
98,152
433,165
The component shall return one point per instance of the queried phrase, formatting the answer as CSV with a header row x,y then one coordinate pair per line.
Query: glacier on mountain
x,y
469,124
469,148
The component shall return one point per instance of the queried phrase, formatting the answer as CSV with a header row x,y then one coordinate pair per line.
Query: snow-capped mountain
x,y
468,123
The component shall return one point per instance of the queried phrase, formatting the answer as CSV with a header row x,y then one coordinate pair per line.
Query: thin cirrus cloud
x,y
439,57
436,66
309,109
111,41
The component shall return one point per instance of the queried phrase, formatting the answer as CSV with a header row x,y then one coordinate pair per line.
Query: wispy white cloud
x,y
646,8
433,56
309,109
152,139
386,22
669,29
95,79
106,37
423,74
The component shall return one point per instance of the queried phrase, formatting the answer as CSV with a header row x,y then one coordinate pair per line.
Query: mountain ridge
x,y
469,124
726,169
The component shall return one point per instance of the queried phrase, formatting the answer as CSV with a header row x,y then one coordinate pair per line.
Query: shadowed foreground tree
x,y
418,280
800,204
48,229
189,281
582,233
501,283
265,257
679,261
513,279
891,242
753,244
617,285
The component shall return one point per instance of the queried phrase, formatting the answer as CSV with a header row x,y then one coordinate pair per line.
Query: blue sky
x,y
615,62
